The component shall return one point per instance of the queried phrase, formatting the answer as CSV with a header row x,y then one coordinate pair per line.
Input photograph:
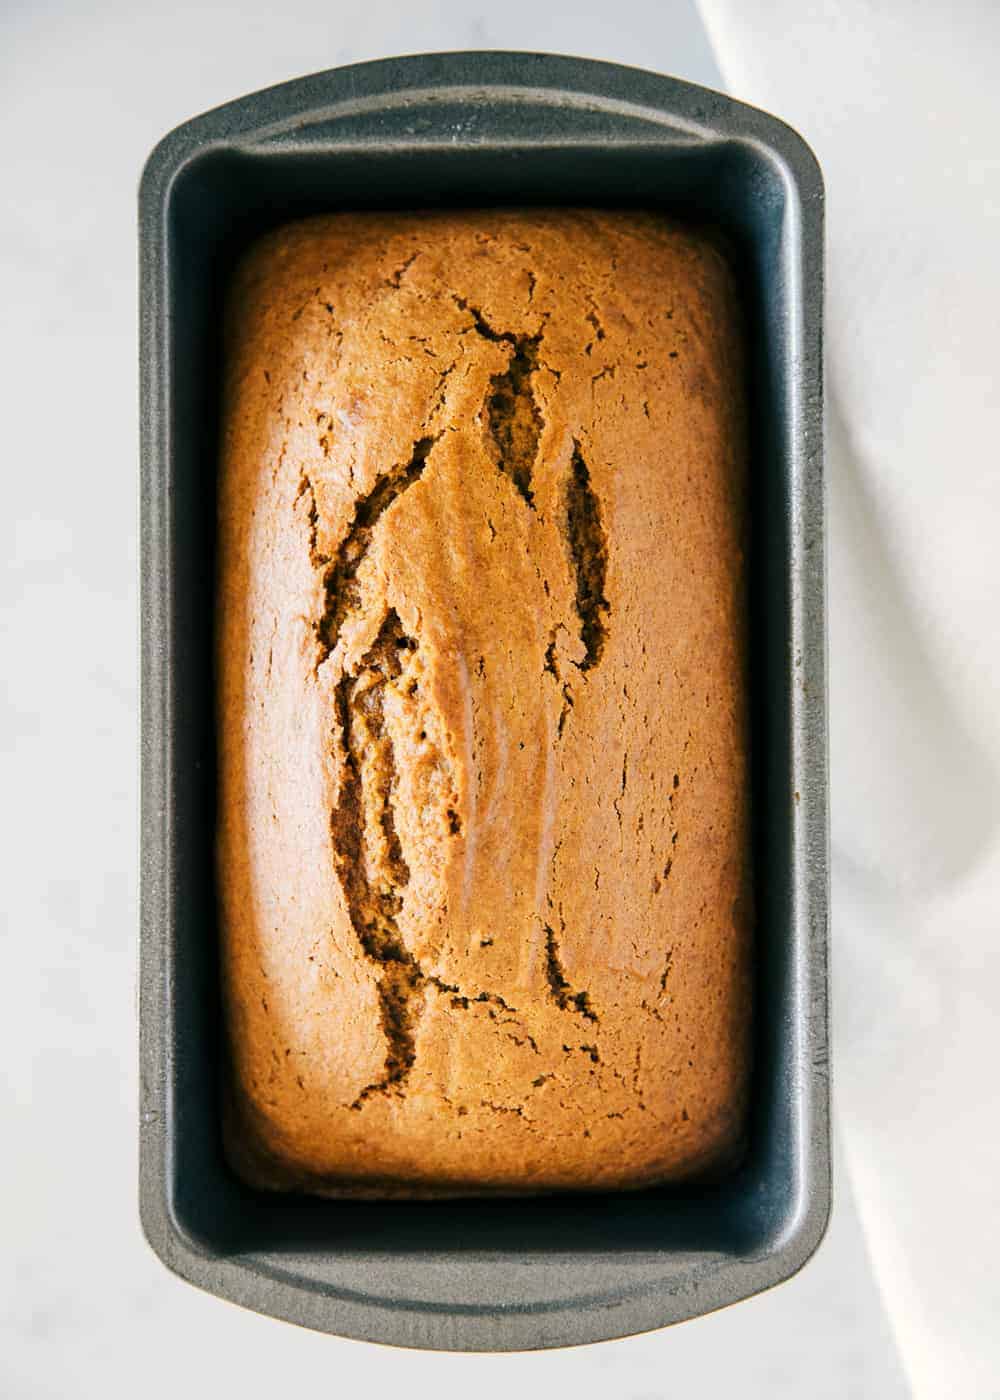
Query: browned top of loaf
x,y
483,831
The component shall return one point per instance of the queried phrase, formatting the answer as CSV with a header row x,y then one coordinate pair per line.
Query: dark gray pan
x,y
472,129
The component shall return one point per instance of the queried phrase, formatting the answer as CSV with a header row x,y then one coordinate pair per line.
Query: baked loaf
x,y
483,833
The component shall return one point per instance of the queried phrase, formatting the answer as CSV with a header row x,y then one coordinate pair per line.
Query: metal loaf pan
x,y
480,129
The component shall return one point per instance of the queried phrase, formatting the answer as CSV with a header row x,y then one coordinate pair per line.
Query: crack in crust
x,y
340,580
562,994
514,418
512,412
369,858
588,547
370,863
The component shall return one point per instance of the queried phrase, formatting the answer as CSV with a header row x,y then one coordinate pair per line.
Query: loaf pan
x,y
481,129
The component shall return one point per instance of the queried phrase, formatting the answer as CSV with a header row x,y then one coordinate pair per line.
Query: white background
x,y
85,1308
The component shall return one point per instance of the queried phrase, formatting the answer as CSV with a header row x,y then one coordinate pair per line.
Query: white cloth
x,y
899,102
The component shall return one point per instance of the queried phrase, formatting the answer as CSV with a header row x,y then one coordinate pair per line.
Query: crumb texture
x,y
483,831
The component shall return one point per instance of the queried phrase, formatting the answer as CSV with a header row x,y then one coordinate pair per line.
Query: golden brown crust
x,y
483,845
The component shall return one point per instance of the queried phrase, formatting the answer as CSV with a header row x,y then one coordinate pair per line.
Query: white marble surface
x,y
85,1308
